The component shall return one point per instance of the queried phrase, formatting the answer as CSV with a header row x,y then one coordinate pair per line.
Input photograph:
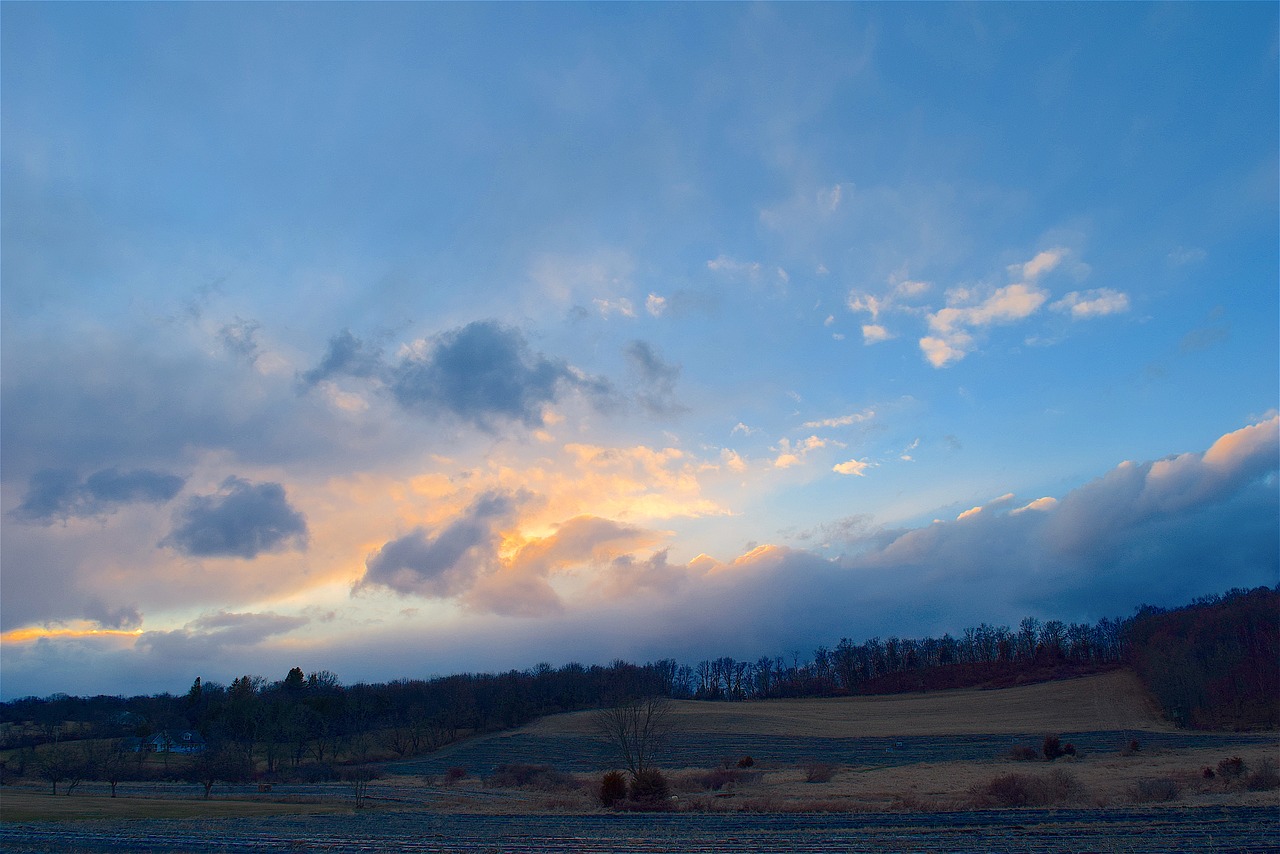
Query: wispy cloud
x,y
1095,303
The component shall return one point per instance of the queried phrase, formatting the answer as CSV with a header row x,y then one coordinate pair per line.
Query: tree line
x,y
1212,663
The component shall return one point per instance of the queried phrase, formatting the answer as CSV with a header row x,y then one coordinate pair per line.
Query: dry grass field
x,y
917,753
1110,701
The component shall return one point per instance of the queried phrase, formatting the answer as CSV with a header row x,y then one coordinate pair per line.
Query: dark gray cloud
x,y
242,519
211,634
346,355
123,617
448,562
54,494
657,379
480,373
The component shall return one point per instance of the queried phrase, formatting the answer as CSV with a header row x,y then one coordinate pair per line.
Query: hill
x,y
1109,701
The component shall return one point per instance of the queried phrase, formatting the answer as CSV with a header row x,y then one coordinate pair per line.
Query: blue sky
x,y
404,339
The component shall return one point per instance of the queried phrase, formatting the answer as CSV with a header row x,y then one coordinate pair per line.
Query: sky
x,y
401,340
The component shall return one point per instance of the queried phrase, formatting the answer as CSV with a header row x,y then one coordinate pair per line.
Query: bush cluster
x,y
1026,790
1157,790
613,788
648,790
528,775
715,779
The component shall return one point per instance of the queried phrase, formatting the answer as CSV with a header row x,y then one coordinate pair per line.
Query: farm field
x,y
1132,831
901,773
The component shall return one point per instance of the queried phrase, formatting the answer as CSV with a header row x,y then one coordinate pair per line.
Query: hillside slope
x,y
1108,701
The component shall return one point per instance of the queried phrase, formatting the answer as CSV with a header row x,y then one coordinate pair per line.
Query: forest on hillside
x,y
1214,663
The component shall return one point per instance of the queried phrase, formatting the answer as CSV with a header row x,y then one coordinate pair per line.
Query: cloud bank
x,y
1160,531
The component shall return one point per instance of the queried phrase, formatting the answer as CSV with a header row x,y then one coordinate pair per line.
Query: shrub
x,y
1231,769
1157,790
453,775
819,772
524,774
1026,790
1052,748
1265,778
1068,749
716,779
1131,748
746,762
1023,753
1208,774
649,788
613,788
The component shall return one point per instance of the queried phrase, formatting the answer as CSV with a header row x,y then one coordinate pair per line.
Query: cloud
x,y
853,467
1159,532
482,373
346,355
211,634
1094,303
520,586
952,326
621,306
471,559
446,563
841,421
242,519
873,333
240,338
123,617
54,494
793,455
1044,262
657,379
656,305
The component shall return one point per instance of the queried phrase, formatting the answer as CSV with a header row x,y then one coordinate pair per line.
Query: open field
x,y
903,773
1109,701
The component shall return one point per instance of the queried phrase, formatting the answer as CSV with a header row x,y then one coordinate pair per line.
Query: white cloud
x,y
793,455
655,305
953,340
842,420
1044,262
874,333
852,467
1094,303
869,303
621,306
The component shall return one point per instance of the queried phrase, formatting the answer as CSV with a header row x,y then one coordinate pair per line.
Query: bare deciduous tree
x,y
637,730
